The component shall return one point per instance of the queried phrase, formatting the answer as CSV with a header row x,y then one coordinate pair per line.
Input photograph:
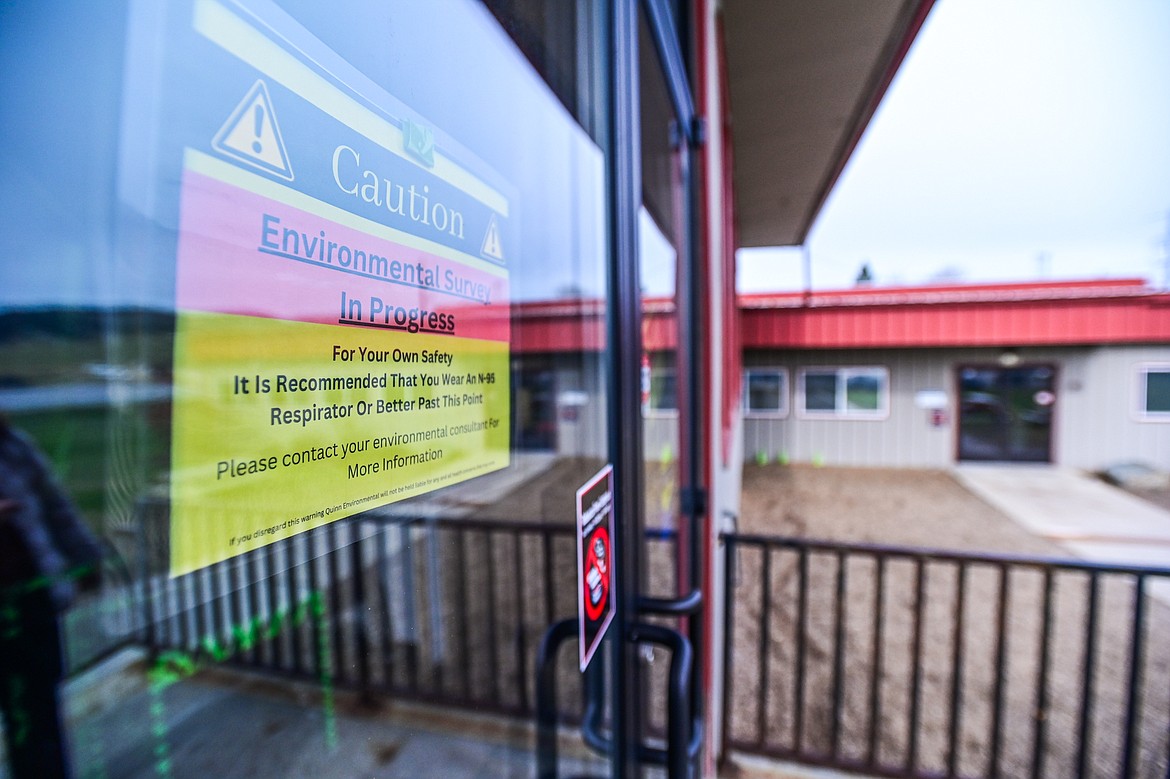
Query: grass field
x,y
96,449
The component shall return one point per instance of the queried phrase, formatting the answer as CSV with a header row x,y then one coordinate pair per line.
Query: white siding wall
x,y
585,436
660,436
1095,423
579,376
903,438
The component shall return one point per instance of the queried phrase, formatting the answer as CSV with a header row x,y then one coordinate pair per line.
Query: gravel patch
x,y
897,654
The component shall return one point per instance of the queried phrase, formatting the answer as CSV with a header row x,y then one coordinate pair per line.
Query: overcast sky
x,y
1022,139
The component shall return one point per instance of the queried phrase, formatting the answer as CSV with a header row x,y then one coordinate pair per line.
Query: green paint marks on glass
x,y
175,665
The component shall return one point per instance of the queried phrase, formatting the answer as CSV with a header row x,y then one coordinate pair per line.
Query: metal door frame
x,y
619,681
625,329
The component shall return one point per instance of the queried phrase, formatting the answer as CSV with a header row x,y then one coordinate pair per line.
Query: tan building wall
x,y
1095,416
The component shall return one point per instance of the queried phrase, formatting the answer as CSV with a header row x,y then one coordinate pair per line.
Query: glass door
x,y
667,627
323,323
1005,413
312,321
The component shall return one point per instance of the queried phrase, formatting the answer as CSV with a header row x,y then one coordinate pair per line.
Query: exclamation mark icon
x,y
251,134
258,125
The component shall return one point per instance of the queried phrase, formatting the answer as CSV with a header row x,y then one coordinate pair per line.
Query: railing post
x,y
521,641
765,647
360,616
1115,733
464,621
801,649
1040,742
916,662
729,556
336,605
1000,669
839,635
1132,731
958,629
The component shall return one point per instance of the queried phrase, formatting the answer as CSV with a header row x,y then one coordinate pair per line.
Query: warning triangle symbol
x,y
491,241
252,136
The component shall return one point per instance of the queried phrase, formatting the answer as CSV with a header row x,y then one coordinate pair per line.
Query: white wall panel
x,y
1094,422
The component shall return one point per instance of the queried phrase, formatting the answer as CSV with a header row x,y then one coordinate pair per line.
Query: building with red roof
x,y
1075,373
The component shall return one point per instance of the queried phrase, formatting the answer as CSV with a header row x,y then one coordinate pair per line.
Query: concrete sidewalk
x,y
227,723
1092,520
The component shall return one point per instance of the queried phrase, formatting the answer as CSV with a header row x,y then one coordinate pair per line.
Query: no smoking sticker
x,y
595,562
597,574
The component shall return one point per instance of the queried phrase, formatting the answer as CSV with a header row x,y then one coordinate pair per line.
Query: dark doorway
x,y
535,407
1005,413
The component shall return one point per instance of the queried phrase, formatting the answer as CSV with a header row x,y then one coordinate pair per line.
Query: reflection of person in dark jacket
x,y
45,549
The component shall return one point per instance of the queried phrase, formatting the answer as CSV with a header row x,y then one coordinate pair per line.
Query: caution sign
x,y
492,248
251,135
341,342
595,537
309,388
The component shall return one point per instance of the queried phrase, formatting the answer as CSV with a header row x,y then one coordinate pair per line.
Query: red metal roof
x,y
1032,314
579,325
1046,313
952,293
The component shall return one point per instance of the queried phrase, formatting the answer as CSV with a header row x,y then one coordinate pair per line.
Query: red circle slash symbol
x,y
597,573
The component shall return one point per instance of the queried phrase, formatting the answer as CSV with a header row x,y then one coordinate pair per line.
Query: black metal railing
x,y
449,611
919,663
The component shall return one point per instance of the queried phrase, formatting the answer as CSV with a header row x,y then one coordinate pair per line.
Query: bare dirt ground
x,y
911,508
926,610
880,506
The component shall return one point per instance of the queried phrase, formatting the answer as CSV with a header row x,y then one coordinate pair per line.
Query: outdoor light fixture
x,y
1009,358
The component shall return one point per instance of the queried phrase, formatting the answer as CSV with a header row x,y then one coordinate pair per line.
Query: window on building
x,y
1154,392
663,390
766,391
853,393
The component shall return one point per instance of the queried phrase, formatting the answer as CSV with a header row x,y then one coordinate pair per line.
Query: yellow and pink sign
x,y
325,363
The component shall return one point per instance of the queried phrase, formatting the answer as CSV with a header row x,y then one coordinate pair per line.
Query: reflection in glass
x,y
861,392
429,598
766,391
1157,392
820,391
